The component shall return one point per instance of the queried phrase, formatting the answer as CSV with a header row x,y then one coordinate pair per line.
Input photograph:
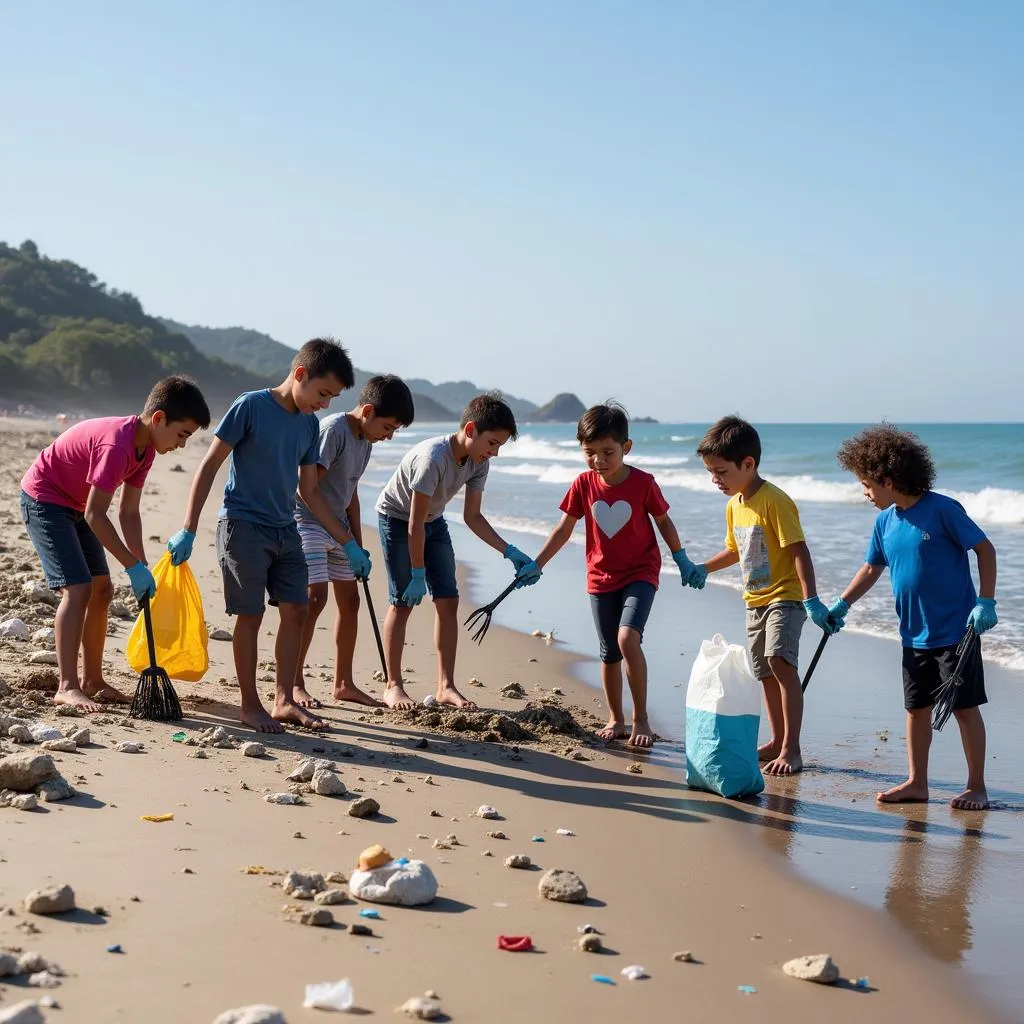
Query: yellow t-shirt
x,y
761,531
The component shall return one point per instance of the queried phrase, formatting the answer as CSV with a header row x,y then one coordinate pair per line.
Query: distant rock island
x,y
563,408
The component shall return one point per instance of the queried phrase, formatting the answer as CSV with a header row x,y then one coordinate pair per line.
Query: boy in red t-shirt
x,y
618,503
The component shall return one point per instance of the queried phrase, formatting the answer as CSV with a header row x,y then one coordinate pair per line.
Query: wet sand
x,y
667,869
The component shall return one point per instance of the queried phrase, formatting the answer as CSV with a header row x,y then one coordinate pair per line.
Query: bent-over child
x,y
266,436
417,546
763,533
618,502
346,439
65,502
923,538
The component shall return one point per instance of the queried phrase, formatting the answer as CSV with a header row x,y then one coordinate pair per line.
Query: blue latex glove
x,y
141,579
180,546
516,557
837,612
417,589
528,575
358,559
691,575
983,615
817,612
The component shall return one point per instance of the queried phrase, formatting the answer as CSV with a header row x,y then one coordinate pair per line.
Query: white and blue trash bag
x,y
723,712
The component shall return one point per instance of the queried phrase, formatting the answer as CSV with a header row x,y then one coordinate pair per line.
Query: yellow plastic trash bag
x,y
179,626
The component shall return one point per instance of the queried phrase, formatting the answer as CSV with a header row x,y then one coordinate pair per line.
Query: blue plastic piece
x,y
403,861
602,979
116,948
747,990
375,914
536,839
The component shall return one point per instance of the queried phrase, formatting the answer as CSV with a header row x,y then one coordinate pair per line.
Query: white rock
x,y
25,802
25,1012
44,979
816,967
56,789
421,1008
487,811
329,897
325,783
407,885
129,748
253,749
43,658
429,701
258,1013
81,736
13,629
46,635
20,733
562,885
634,972
37,593
41,732
282,798
295,880
61,746
24,772
32,962
50,899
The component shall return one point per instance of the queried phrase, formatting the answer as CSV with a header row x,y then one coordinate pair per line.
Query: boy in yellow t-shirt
x,y
764,535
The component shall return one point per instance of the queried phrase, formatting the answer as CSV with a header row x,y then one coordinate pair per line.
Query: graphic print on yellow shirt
x,y
761,531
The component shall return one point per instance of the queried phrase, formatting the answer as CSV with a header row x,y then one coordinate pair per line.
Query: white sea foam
x,y
554,474
993,505
680,438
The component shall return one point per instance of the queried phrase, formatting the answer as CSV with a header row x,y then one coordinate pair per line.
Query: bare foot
x,y
971,800
905,793
304,698
352,693
396,697
769,751
104,693
614,730
259,720
643,734
451,697
785,764
290,711
75,698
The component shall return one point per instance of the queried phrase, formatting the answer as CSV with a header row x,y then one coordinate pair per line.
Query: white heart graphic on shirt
x,y
611,518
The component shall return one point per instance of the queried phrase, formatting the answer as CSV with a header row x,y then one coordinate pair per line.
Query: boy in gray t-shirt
x,y
416,544
385,405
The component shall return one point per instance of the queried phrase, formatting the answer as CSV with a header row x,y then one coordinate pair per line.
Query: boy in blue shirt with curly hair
x,y
923,538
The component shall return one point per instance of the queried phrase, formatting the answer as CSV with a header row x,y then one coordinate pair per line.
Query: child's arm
x,y
355,523
474,518
180,545
722,560
816,609
690,574
417,588
557,539
130,518
866,577
309,490
983,616
97,508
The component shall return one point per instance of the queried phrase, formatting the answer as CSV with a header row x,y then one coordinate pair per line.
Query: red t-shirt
x,y
621,545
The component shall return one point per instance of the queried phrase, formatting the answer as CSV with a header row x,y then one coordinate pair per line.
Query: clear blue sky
x,y
794,210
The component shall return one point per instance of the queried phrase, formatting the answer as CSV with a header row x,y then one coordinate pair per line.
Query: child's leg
x,y
972,733
783,624
94,637
757,624
69,624
316,604
439,560
346,628
245,647
607,612
394,543
919,741
395,621
637,600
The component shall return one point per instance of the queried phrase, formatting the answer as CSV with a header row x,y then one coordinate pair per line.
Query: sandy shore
x,y
667,869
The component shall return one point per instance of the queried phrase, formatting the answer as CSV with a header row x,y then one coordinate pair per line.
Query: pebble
x,y
311,881
442,844
360,929
13,629
31,962
634,972
562,886
55,789
46,635
25,1012
61,746
43,658
44,979
816,967
513,690
319,918
497,834
590,943
636,768
282,798
518,860
129,748
252,749
81,736
587,929
487,811
329,897
50,899
19,733
364,807
421,1008
25,802
259,1013
684,957
327,783
220,634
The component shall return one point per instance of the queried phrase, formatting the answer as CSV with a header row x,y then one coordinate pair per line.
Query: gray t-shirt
x,y
344,456
429,468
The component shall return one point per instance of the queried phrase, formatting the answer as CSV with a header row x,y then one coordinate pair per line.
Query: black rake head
x,y
945,699
155,699
480,620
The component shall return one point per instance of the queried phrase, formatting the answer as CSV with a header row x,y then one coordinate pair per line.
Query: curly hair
x,y
885,452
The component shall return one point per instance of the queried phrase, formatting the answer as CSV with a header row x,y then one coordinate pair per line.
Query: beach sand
x,y
667,869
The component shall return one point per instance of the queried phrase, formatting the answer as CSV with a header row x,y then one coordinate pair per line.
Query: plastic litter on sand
x,y
374,914
329,995
156,817
115,948
536,839
602,979
747,990
634,972
515,943
179,737
564,832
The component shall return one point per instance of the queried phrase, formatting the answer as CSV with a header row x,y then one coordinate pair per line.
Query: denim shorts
x,y
70,552
628,607
773,631
255,558
438,557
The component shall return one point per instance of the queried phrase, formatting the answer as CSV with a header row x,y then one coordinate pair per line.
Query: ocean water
x,y
981,465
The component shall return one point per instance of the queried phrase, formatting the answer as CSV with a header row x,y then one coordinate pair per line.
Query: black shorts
x,y
924,671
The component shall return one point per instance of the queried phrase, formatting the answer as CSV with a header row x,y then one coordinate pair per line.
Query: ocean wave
x,y
993,505
681,438
542,474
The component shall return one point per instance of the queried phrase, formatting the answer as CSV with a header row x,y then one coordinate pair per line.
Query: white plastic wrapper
x,y
329,995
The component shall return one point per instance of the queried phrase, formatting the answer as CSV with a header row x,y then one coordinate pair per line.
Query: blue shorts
x,y
438,557
255,558
70,552
618,609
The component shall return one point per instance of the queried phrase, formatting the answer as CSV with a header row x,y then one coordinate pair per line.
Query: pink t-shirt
x,y
96,453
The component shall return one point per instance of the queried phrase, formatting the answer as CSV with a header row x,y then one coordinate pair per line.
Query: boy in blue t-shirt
x,y
272,440
923,538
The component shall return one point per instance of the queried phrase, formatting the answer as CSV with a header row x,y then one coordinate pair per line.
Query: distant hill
x,y
69,341
456,394
563,408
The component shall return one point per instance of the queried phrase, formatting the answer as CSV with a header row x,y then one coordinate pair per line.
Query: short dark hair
x,y
390,397
324,357
732,439
179,399
490,412
606,420
885,452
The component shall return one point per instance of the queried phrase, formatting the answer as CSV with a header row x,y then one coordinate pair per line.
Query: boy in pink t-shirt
x,y
618,502
65,498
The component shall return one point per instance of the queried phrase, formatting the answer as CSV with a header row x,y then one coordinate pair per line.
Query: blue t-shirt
x,y
925,547
268,444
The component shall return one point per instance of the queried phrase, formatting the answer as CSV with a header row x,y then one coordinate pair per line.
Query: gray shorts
x,y
255,559
773,631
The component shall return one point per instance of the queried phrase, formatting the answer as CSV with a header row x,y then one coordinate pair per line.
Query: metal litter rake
x,y
480,620
945,698
376,628
154,698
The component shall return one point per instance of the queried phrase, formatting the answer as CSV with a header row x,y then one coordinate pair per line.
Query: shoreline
x,y
667,868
